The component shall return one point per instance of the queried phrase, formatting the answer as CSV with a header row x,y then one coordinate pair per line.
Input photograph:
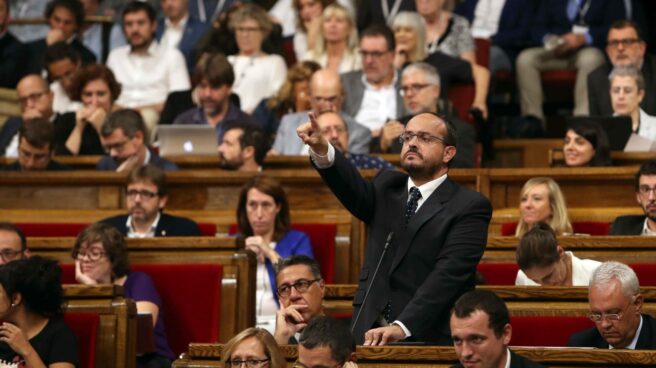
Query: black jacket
x,y
592,338
168,225
628,225
516,361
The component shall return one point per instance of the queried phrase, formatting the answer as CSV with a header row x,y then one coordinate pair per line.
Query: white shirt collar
x,y
646,230
147,157
152,48
368,85
181,24
426,189
132,233
507,358
634,342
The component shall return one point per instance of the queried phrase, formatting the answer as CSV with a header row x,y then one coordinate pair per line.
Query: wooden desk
x,y
116,339
524,152
209,355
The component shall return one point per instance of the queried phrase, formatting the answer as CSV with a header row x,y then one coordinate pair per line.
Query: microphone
x,y
373,278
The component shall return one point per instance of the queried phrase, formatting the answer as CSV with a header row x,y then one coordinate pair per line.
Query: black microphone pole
x,y
373,278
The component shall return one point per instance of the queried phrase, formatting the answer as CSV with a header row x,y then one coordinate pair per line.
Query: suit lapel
x,y
645,340
432,206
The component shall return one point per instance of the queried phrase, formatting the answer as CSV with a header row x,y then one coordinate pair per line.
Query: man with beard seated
x,y
243,148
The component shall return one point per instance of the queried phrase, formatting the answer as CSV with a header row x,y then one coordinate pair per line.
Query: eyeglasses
x,y
118,147
147,194
247,29
626,42
93,254
645,190
302,285
250,363
422,137
298,364
38,157
31,97
9,255
627,90
598,317
414,88
374,54
329,99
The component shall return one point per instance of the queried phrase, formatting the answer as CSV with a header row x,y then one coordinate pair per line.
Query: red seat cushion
x,y
498,273
646,273
85,327
546,331
594,228
207,229
73,229
462,97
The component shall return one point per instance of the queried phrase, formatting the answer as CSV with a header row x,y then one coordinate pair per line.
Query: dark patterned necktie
x,y
411,206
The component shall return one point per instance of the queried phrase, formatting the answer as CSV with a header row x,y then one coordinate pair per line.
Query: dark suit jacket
x,y
107,163
430,262
516,361
599,88
168,225
592,338
551,17
628,225
194,30
352,84
38,49
9,130
13,55
52,166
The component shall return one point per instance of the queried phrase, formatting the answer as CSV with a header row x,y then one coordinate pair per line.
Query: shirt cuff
x,y
405,329
324,162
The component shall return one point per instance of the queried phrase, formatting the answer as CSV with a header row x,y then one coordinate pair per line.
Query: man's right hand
x,y
391,131
54,35
289,321
310,134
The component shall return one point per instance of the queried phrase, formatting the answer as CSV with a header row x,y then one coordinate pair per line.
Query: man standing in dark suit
x,y
146,197
624,47
615,306
481,332
436,231
645,184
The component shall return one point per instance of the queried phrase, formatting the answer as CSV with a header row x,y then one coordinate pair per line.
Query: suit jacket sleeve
x,y
455,265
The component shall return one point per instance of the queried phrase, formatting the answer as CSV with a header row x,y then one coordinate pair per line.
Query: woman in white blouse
x,y
627,89
257,74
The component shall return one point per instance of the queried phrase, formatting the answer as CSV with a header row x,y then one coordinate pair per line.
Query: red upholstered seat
x,y
85,327
288,52
646,273
546,331
498,273
72,229
594,228
207,229
322,239
462,97
482,51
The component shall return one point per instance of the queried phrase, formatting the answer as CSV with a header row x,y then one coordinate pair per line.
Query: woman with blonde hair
x,y
541,200
254,347
337,46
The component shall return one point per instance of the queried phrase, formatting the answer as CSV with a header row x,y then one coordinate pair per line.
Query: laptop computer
x,y
176,140
618,128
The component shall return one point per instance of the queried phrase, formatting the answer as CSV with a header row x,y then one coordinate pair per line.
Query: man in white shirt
x,y
146,71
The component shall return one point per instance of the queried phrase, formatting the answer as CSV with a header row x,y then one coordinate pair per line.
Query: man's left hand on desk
x,y
384,335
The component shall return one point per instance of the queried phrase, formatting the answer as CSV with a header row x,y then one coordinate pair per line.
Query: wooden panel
x,y
524,152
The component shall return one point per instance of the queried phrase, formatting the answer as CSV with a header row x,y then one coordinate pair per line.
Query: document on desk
x,y
638,143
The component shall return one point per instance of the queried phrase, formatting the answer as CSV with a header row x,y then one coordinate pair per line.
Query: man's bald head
x,y
326,91
32,80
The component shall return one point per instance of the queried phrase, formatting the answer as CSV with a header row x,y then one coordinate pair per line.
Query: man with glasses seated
x,y
615,307
13,244
35,148
300,293
645,186
146,198
124,137
326,342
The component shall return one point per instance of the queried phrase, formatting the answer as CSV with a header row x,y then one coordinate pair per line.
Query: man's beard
x,y
229,165
419,170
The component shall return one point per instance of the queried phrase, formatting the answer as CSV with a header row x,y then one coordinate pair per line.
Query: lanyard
x,y
584,11
389,16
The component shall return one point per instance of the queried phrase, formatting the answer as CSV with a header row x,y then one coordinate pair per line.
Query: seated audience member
x,y
79,134
541,200
481,332
146,197
13,243
35,100
326,94
33,332
293,96
542,261
420,88
180,30
243,148
627,90
13,52
258,74
336,132
586,144
35,148
615,307
65,19
101,258
124,138
147,71
62,62
253,347
372,94
625,46
214,78
96,36
336,46
326,342
300,291
308,24
410,34
645,183
263,219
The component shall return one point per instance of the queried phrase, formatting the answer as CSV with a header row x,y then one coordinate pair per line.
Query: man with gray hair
x,y
420,88
615,306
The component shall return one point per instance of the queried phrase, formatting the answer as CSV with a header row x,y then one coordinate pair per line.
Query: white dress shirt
x,y
132,233
486,18
61,103
378,105
173,33
146,79
582,270
256,78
